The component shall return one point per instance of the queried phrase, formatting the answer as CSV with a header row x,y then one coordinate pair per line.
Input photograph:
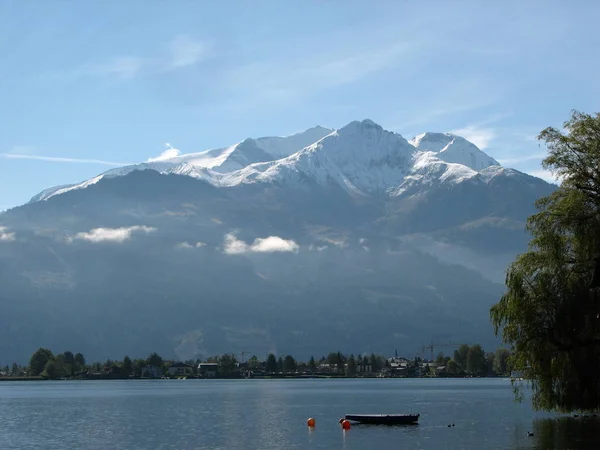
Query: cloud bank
x,y
111,234
234,246
5,236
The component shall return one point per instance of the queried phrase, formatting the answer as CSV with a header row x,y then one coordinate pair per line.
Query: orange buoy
x,y
311,422
346,424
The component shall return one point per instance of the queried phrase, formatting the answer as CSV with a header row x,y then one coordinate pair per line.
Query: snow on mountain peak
x,y
281,147
454,149
365,146
169,153
432,142
361,157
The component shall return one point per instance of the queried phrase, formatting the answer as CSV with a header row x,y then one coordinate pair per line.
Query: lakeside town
x,y
466,361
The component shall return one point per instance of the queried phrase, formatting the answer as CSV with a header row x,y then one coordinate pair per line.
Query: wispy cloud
x,y
97,235
5,236
169,153
180,52
233,245
545,175
188,246
275,80
186,51
481,137
450,100
522,159
63,160
120,67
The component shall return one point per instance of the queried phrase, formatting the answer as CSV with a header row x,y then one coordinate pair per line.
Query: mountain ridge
x,y
338,243
347,159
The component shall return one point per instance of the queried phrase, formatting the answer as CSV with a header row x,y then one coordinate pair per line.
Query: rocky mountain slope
x,y
352,239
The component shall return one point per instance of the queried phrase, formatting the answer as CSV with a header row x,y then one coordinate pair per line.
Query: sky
x,y
87,86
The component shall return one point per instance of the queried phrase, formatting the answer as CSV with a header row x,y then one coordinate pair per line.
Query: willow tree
x,y
550,312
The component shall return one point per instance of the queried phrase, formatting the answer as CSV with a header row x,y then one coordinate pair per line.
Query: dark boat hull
x,y
384,419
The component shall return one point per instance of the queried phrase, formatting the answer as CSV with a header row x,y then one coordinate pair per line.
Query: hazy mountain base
x,y
358,281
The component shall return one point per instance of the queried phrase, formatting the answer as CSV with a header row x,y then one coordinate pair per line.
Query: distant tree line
x,y
466,361
473,360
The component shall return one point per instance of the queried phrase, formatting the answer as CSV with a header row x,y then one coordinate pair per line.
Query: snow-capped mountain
x,y
355,238
219,160
361,157
453,149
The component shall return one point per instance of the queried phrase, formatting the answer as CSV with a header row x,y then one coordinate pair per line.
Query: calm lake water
x,y
271,414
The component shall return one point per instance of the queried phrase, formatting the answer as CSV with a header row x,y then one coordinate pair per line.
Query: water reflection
x,y
581,433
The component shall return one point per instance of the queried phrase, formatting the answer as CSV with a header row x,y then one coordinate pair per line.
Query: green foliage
x,y
271,365
50,370
289,364
69,358
337,360
227,364
62,369
38,361
452,367
440,359
127,366
490,359
501,357
253,362
154,360
138,365
351,369
476,363
549,314
460,356
312,365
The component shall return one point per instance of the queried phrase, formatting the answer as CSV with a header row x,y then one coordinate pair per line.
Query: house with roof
x,y
151,372
180,369
208,370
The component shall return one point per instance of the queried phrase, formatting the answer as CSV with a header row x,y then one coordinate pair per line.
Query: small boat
x,y
384,419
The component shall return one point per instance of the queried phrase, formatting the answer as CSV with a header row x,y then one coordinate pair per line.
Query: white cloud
x,y
481,137
522,159
121,67
5,236
275,81
545,175
63,160
274,244
111,234
234,246
186,51
181,52
169,153
188,246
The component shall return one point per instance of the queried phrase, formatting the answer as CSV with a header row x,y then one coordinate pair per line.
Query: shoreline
x,y
285,377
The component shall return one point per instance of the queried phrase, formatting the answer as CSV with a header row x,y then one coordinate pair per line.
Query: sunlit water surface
x,y
272,414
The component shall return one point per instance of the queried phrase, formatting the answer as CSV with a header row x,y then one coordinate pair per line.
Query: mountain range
x,y
353,239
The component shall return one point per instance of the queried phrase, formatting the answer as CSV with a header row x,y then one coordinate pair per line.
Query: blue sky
x,y
87,85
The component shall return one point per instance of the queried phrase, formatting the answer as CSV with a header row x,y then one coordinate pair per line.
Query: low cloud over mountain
x,y
352,239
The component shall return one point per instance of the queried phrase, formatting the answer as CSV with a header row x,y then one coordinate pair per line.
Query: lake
x,y
272,414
